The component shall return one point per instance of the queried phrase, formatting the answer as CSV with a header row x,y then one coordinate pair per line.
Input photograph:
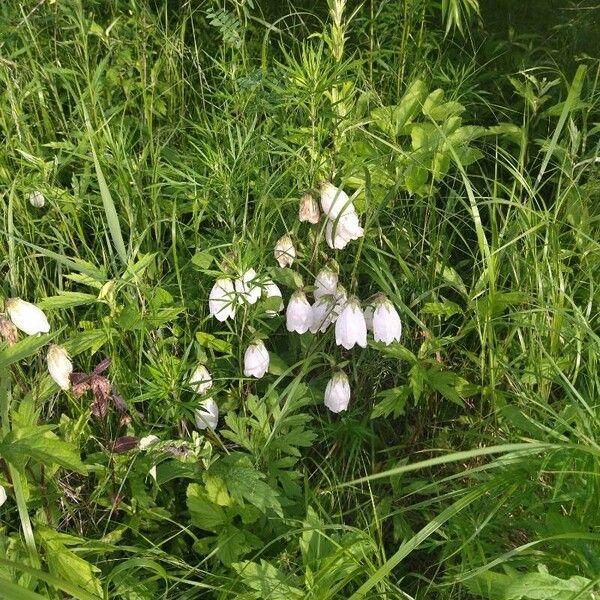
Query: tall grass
x,y
172,142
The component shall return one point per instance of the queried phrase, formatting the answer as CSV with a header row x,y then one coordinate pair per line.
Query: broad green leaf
x,y
208,340
67,300
267,581
205,514
24,349
41,444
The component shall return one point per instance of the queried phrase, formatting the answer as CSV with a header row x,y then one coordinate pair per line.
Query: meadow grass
x,y
172,143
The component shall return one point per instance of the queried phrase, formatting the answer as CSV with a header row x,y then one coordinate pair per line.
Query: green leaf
x,y
202,260
65,564
245,484
267,581
24,349
41,444
205,514
233,543
216,490
208,340
67,300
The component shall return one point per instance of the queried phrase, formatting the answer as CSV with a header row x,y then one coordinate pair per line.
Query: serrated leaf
x,y
67,300
205,514
267,581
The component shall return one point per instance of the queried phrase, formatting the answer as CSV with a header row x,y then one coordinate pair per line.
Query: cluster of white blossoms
x,y
331,302
31,320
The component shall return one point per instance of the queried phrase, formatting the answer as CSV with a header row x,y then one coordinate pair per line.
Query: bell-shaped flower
x,y
60,366
298,315
335,202
37,199
248,287
221,302
350,327
325,283
2,495
271,290
207,416
337,393
387,327
285,252
339,233
309,210
256,359
327,309
27,317
201,381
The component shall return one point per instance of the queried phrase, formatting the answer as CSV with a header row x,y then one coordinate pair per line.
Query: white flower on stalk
x,y
298,315
256,359
339,233
221,302
285,252
60,366
327,309
387,327
247,287
337,393
201,381
335,202
325,283
309,210
27,317
350,327
271,290
207,416
2,495
37,199
147,441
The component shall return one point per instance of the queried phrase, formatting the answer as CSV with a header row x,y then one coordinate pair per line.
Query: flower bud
x,y
256,359
350,327
201,381
221,302
343,230
37,199
147,441
285,252
298,315
2,495
309,210
387,327
60,366
247,287
337,393
27,317
207,416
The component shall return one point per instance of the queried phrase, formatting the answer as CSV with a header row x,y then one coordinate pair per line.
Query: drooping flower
x,y
60,366
2,495
298,315
285,252
325,283
334,201
248,287
387,327
27,317
37,199
309,210
339,233
271,290
221,302
201,381
350,327
327,309
256,359
337,393
207,416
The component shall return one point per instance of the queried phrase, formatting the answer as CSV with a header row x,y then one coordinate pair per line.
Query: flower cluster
x,y
331,305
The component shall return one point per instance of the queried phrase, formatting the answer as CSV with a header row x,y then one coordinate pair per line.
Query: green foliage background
x,y
173,140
